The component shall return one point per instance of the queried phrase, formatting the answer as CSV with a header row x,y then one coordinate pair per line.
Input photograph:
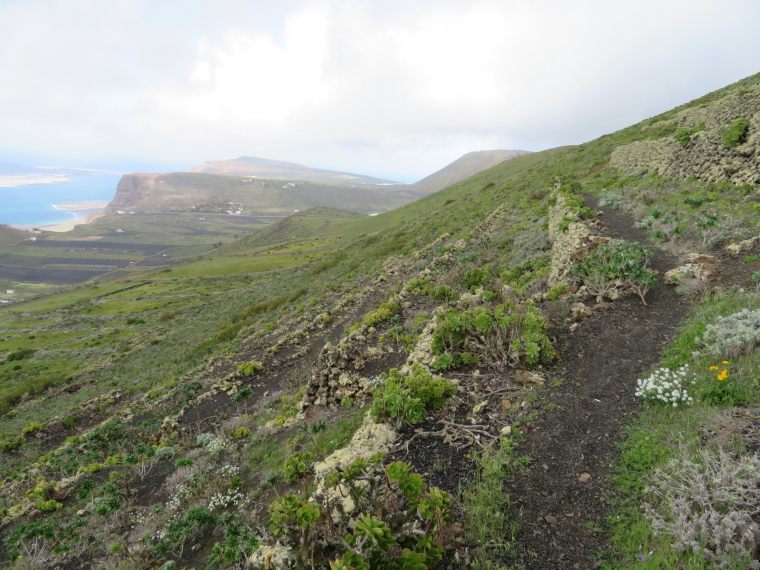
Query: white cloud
x,y
388,88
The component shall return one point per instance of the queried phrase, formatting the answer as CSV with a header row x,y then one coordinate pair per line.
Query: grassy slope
x,y
186,320
183,190
10,235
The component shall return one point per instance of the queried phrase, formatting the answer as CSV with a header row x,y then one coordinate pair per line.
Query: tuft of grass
x,y
485,504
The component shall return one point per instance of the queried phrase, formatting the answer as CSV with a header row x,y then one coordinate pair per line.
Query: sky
x,y
390,88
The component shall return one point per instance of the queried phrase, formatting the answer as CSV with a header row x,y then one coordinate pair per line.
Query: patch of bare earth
x,y
559,501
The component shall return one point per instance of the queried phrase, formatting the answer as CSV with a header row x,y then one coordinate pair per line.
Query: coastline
x,y
80,211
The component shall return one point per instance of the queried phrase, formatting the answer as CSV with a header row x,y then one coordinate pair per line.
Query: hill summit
x,y
266,168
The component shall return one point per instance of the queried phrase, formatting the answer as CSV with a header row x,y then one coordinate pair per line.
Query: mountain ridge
x,y
464,366
280,169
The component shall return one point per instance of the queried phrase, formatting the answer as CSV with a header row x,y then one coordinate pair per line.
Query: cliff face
x,y
131,190
704,155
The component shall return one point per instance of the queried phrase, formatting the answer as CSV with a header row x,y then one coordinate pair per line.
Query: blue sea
x,y
33,204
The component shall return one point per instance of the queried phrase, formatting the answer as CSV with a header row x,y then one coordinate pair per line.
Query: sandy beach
x,y
80,211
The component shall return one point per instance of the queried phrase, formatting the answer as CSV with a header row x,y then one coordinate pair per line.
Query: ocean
x,y
33,204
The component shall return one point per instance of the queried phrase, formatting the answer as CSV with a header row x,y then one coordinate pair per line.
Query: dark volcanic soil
x,y
559,502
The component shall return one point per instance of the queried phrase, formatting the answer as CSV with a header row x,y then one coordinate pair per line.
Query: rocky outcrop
x,y
575,236
704,156
131,190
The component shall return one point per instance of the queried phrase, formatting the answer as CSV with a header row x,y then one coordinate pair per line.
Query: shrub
x,y
736,134
403,399
707,505
383,313
733,335
21,354
397,521
622,266
474,278
250,368
49,505
443,293
8,443
297,466
165,452
240,432
555,292
610,199
32,427
683,135
509,335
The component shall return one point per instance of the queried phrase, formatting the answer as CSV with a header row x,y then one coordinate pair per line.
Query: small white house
x,y
11,291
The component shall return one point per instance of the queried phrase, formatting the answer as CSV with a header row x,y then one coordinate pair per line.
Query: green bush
x,y
736,134
49,505
32,427
297,466
387,501
240,432
508,335
21,354
8,443
476,277
383,313
250,368
609,268
556,291
403,399
70,422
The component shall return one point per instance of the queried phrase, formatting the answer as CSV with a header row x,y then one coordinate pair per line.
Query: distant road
x,y
97,244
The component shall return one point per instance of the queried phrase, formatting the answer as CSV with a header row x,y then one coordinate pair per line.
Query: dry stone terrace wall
x,y
705,156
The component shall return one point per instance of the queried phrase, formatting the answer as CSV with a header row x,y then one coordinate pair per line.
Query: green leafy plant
x,y
32,427
620,267
508,335
736,134
404,527
403,399
250,368
383,313
297,466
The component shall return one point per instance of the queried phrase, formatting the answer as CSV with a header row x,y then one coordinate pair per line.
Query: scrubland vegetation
x,y
256,407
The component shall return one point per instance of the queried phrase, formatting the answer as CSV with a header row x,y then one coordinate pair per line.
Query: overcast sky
x,y
391,88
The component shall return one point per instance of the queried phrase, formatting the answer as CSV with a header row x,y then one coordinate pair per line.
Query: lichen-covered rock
x,y
370,439
699,266
528,378
705,156
565,244
747,244
274,557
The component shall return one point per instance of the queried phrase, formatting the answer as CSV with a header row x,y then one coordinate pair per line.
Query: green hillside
x,y
10,235
448,384
203,192
279,169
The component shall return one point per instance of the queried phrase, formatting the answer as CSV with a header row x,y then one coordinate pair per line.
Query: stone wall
x,y
705,156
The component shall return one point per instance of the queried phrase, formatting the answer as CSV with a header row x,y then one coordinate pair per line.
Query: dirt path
x,y
559,502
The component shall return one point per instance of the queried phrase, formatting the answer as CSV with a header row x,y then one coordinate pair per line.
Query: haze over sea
x,y
33,203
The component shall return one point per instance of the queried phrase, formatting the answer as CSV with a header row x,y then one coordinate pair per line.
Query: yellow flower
x,y
725,362
713,367
723,374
